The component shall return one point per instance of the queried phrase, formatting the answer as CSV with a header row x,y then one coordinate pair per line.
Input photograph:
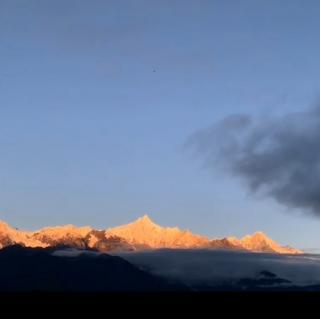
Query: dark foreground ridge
x,y
39,269
61,269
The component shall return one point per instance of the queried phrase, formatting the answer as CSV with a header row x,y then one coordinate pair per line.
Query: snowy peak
x,y
140,234
60,231
6,228
3,225
260,242
9,236
256,238
144,222
145,232
259,235
145,219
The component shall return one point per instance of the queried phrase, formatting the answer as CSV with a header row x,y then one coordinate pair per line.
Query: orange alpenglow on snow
x,y
145,232
139,235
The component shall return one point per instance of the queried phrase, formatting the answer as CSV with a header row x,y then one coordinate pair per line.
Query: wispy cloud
x,y
215,266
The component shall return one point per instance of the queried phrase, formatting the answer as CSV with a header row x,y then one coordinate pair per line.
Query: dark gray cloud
x,y
275,156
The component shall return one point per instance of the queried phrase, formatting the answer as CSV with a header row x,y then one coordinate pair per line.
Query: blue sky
x,y
97,99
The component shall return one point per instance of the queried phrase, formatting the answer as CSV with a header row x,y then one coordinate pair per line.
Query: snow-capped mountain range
x,y
141,234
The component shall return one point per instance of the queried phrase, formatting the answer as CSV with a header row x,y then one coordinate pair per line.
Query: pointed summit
x,y
4,225
143,224
145,219
262,243
259,235
145,232
10,235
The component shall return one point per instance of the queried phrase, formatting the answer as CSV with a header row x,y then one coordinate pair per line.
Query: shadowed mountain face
x,y
44,269
139,235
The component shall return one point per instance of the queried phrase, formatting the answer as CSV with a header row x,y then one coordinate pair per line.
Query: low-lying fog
x,y
212,266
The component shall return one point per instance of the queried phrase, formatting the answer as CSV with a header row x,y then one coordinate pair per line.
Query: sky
x,y
98,98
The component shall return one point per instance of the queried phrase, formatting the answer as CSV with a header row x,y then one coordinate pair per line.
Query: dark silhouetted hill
x,y
41,269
